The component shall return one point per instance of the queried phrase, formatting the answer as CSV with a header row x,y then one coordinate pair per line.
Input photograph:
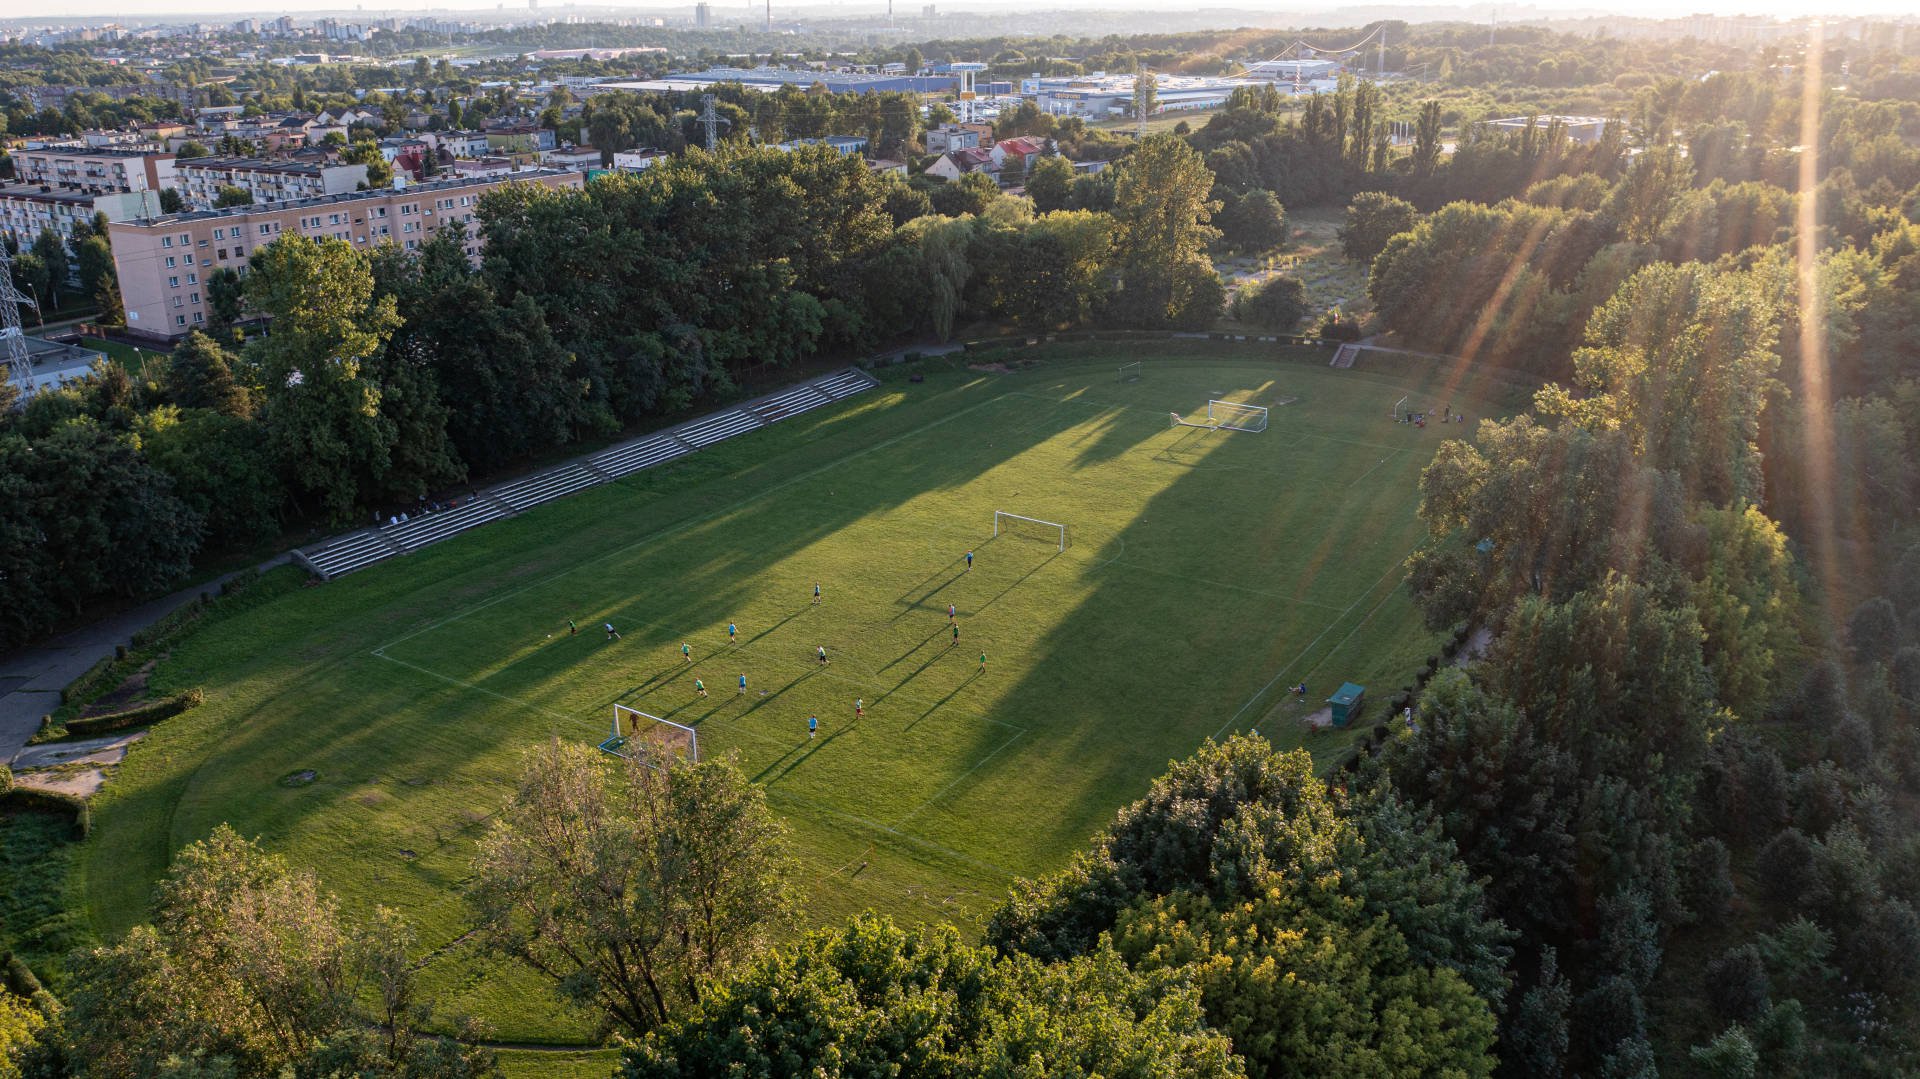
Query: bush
x,y
1737,984
1786,866
68,805
1335,328
6,778
1278,303
136,717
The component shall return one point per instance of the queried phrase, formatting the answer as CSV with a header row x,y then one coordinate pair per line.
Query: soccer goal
x,y
1131,372
1029,527
1232,416
647,738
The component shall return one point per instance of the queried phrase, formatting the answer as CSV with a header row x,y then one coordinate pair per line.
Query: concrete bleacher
x,y
434,527
530,492
348,553
634,456
705,432
361,549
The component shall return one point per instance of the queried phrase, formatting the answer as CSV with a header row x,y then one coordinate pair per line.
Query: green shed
x,y
1346,703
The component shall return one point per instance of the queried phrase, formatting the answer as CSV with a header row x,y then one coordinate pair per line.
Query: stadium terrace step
x,y
791,403
634,456
703,433
351,553
529,493
846,383
434,527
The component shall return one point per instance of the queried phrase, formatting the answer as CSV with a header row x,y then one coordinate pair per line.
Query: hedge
x,y
135,717
148,642
70,805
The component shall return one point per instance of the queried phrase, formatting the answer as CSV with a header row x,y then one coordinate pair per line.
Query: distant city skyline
x,y
203,10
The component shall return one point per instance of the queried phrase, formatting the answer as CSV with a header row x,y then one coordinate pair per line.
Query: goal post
x,y
1031,527
1233,416
647,738
1131,372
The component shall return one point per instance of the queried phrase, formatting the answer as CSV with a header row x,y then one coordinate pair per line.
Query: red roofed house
x,y
1013,157
957,163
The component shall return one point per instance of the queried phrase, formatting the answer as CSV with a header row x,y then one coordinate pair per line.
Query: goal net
x,y
1130,372
1013,524
647,738
1231,416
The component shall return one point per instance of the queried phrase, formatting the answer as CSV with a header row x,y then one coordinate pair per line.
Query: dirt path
x,y
71,767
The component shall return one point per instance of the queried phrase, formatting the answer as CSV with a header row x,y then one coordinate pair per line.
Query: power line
x,y
19,360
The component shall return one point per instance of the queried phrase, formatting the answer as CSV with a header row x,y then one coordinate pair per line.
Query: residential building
x,y
638,160
519,139
27,210
957,163
164,261
267,181
95,170
460,143
571,157
1014,157
886,165
848,145
949,137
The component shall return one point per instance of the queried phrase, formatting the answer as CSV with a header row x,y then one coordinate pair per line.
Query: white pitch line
x,y
1401,561
937,795
684,525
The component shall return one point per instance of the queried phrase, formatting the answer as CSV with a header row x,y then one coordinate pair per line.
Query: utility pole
x,y
1383,52
13,339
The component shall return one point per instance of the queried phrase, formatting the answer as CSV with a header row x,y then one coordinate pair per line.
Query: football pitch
x,y
1204,572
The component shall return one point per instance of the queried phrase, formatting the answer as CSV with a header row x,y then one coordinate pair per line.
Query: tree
x,y
51,250
170,200
1373,218
221,469
200,374
20,1026
1254,221
1536,1034
1729,1056
1161,208
1050,184
190,149
870,998
230,195
1278,304
1304,983
634,895
226,301
249,968
1737,985
321,405
367,152
1146,94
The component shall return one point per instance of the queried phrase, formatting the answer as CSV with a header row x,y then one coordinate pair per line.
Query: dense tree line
x,y
391,375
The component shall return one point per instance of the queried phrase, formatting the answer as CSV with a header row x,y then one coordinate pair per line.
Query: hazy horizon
x,y
17,10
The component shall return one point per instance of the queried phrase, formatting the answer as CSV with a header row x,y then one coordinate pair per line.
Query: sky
x,y
1318,12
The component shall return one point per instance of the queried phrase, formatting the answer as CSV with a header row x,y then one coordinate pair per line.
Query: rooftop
x,y
250,164
93,151
33,192
429,187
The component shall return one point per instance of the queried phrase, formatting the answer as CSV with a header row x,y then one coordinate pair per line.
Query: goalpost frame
x,y
999,514
1131,372
657,731
1234,416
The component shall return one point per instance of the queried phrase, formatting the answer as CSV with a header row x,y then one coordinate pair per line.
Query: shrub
x,y
68,805
1737,984
1786,866
136,717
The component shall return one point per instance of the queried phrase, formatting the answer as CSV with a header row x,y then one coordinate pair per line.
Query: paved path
x,y
31,678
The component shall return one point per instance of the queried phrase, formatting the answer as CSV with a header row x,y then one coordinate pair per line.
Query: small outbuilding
x,y
1346,702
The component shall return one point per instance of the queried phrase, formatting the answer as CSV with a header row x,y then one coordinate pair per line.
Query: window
x,y
193,279
198,317
179,320
169,262
167,241
223,254
186,239
266,230
194,298
333,219
173,282
177,302
202,243
219,234
409,210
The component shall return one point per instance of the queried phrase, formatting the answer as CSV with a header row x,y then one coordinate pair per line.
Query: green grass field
x,y
1205,571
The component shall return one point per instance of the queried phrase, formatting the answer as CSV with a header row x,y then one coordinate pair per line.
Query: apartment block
x,y
102,170
27,210
164,262
200,179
